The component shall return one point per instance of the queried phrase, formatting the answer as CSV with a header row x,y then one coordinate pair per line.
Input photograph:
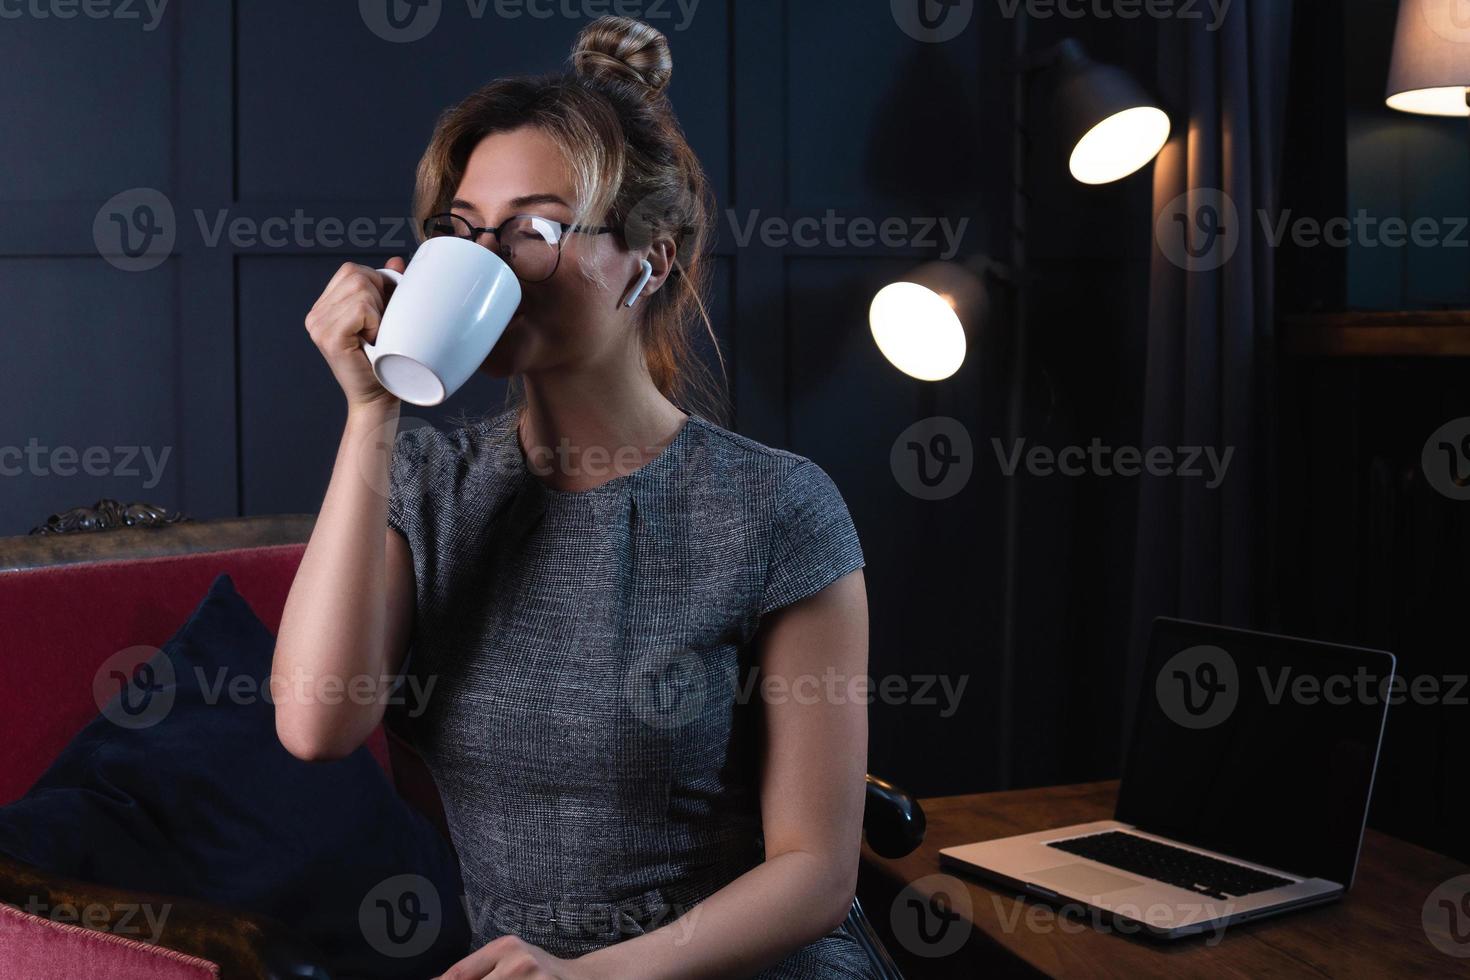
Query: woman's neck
x,y
579,431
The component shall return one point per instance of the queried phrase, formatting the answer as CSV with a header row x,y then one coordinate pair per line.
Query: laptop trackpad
x,y
1082,879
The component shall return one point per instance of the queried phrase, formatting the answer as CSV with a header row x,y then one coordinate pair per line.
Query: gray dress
x,y
591,728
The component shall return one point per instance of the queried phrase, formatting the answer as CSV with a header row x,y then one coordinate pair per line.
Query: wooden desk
x,y
1376,931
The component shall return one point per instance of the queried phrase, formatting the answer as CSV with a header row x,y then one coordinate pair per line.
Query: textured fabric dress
x,y
592,727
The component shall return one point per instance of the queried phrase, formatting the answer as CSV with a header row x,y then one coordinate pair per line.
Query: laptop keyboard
x,y
1177,866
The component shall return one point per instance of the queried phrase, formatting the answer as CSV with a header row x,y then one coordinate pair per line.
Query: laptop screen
x,y
1256,746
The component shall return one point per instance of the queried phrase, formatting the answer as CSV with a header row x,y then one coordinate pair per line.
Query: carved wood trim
x,y
107,514
181,538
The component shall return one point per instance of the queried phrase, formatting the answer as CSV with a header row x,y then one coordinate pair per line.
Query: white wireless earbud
x,y
638,289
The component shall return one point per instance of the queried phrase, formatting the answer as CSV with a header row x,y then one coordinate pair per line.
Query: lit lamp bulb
x,y
1120,145
920,323
1431,59
1111,123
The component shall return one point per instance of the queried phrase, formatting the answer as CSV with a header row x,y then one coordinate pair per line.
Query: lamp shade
x,y
1112,125
1431,59
921,322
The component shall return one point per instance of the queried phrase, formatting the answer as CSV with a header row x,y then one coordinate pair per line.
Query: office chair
x,y
893,823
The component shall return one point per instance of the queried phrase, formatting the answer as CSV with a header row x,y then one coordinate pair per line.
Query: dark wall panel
x,y
87,365
76,86
371,103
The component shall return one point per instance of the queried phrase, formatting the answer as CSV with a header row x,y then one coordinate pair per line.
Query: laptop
x,y
1244,793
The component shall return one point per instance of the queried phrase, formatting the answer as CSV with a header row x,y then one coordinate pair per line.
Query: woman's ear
x,y
659,263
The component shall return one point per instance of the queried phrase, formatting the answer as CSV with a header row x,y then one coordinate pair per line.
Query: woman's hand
x,y
345,315
511,956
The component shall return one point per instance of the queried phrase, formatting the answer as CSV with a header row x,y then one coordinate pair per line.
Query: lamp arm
x,y
988,267
1064,51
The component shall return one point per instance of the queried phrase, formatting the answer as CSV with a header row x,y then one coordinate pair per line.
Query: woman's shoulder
x,y
724,446
460,439
442,460
810,539
728,460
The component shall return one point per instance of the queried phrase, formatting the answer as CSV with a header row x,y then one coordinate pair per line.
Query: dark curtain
x,y
1209,381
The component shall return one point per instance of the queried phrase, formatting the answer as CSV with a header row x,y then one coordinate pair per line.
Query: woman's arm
x,y
344,629
812,793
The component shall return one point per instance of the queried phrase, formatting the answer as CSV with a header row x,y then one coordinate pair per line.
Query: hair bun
x,y
624,51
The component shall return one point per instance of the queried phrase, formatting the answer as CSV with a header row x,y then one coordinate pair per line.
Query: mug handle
x,y
396,278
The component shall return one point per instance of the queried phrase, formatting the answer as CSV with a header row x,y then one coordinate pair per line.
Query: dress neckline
x,y
666,460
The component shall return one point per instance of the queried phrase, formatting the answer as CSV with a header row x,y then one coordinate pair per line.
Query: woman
x,y
630,616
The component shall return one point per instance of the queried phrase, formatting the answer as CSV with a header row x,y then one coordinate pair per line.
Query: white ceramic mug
x,y
447,311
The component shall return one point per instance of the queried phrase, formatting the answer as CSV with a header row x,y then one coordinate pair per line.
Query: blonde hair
x,y
631,166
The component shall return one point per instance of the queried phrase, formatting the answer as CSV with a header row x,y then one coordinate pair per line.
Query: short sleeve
x,y
406,511
813,541
405,490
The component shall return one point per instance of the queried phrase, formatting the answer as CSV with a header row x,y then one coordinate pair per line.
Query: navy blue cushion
x,y
181,786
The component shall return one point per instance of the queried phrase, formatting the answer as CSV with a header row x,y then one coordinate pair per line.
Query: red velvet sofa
x,y
67,603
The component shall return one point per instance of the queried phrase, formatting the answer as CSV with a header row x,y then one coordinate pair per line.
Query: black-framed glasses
x,y
529,243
